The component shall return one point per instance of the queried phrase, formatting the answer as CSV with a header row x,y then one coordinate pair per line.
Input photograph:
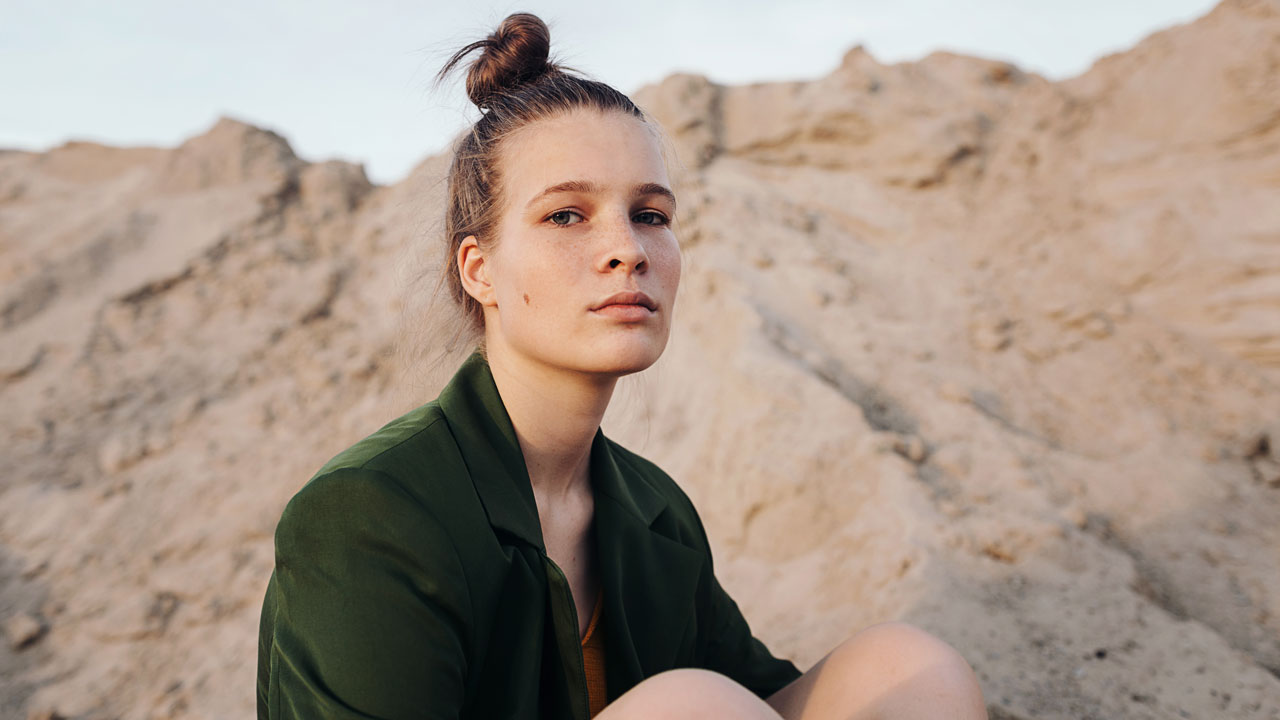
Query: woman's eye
x,y
656,218
564,217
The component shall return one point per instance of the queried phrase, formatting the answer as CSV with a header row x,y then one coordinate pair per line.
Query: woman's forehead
x,y
608,151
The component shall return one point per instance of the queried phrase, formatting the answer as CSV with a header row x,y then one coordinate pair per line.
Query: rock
x,y
121,450
991,334
1267,471
910,447
23,630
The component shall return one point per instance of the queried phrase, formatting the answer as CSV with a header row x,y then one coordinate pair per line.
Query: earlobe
x,y
473,272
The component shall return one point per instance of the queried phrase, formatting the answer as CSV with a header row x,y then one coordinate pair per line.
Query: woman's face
x,y
585,214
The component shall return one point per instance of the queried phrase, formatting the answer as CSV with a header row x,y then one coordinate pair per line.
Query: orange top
x,y
593,659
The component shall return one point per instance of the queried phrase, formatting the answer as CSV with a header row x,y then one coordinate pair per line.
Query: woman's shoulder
x,y
408,463
395,444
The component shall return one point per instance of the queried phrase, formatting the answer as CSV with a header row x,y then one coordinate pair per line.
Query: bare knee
x,y
687,693
897,665
903,648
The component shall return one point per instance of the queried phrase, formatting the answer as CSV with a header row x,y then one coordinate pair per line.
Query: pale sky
x,y
352,80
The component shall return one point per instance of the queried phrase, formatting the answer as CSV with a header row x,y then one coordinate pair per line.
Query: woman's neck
x,y
555,414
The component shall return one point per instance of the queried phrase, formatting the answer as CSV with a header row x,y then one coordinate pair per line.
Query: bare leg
x,y
687,694
890,671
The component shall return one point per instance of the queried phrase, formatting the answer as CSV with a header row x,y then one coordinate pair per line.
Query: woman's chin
x,y
619,358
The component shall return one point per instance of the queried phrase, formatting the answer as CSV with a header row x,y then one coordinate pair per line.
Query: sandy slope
x,y
954,344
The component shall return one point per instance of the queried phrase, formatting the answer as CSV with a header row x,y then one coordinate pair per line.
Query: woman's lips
x,y
625,313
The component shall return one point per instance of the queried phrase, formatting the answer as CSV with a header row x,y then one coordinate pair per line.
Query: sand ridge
x,y
954,344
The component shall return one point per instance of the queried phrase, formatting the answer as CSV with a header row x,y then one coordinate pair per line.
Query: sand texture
x,y
954,344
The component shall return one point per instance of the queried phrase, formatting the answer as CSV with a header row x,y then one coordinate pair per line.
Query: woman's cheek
x,y
673,261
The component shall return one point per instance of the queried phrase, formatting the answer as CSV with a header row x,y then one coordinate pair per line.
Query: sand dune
x,y
954,344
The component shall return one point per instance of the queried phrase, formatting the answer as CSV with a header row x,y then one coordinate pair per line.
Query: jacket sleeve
x,y
733,650
370,603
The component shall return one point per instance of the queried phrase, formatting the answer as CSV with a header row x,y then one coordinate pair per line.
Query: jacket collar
x,y
649,580
479,422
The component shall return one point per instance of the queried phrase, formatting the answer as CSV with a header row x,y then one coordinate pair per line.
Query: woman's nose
x,y
625,247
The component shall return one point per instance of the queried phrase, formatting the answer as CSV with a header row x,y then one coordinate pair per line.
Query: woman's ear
x,y
473,272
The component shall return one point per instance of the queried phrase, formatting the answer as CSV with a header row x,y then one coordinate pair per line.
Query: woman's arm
x,y
369,606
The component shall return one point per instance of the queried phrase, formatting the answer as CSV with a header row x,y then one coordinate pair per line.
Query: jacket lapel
x,y
479,422
650,581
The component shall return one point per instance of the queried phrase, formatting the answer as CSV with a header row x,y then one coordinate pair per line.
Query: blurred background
x,y
352,81
979,325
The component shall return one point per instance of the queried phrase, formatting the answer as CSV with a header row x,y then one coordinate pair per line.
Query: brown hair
x,y
514,83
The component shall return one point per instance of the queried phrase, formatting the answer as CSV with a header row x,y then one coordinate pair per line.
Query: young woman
x,y
492,554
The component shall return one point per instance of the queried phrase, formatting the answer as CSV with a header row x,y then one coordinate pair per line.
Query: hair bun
x,y
517,52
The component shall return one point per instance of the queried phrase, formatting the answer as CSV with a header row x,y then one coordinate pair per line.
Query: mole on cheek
x,y
526,298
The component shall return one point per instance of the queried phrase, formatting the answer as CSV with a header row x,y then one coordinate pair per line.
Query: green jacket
x,y
411,580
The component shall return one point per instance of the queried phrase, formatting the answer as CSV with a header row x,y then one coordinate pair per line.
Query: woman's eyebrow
x,y
587,187
656,189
